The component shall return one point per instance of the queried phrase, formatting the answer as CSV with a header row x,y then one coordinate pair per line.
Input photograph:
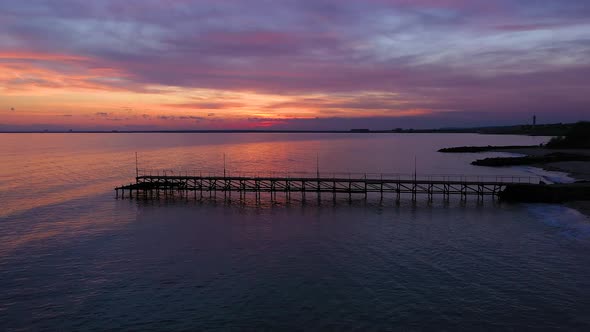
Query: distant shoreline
x,y
574,162
555,129
238,132
558,160
200,132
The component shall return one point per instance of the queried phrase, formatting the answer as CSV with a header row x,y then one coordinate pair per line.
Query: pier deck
x,y
166,185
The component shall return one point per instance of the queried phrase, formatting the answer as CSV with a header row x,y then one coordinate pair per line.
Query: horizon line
x,y
352,130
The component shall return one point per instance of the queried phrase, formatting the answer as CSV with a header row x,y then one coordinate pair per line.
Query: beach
x,y
577,170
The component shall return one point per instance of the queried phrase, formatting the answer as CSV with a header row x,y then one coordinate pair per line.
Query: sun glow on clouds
x,y
209,64
71,90
24,73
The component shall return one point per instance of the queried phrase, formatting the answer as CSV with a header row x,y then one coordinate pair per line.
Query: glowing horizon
x,y
323,64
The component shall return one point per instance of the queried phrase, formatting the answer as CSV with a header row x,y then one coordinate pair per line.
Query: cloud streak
x,y
375,58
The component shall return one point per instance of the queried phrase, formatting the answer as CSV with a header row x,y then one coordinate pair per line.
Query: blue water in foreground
x,y
74,258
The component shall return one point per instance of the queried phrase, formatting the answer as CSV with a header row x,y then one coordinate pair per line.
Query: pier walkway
x,y
196,185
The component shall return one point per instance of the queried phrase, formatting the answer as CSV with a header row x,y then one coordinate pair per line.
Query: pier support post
x,y
464,192
334,190
365,186
288,189
303,190
349,190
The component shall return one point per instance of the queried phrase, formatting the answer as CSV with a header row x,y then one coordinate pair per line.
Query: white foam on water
x,y
572,223
549,177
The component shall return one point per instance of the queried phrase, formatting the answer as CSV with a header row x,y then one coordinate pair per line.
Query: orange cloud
x,y
41,72
214,105
15,55
73,91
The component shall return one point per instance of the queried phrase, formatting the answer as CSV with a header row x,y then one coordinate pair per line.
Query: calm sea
x,y
72,257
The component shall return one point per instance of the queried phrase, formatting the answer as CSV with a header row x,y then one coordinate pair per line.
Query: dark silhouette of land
x,y
556,129
578,137
472,149
531,160
569,153
552,193
572,146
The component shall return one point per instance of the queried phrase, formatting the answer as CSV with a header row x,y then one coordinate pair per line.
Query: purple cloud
x,y
465,56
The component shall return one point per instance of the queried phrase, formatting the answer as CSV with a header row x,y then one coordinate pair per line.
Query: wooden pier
x,y
196,185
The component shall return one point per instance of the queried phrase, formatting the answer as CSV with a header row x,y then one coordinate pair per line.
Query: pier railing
x,y
146,173
170,183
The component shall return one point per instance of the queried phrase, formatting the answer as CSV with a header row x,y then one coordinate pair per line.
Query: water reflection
x,y
74,257
41,169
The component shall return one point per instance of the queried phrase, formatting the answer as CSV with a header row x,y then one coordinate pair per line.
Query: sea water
x,y
73,257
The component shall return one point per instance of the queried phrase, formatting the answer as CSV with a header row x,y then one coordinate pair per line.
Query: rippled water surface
x,y
73,257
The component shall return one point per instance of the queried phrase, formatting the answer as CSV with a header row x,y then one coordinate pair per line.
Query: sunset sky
x,y
297,64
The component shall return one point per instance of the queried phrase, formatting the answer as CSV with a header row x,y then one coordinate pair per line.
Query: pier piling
x,y
149,185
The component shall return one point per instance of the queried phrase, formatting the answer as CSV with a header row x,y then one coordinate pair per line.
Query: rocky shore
x,y
472,149
574,162
549,158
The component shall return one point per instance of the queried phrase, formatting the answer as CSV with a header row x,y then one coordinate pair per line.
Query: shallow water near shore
x,y
74,257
